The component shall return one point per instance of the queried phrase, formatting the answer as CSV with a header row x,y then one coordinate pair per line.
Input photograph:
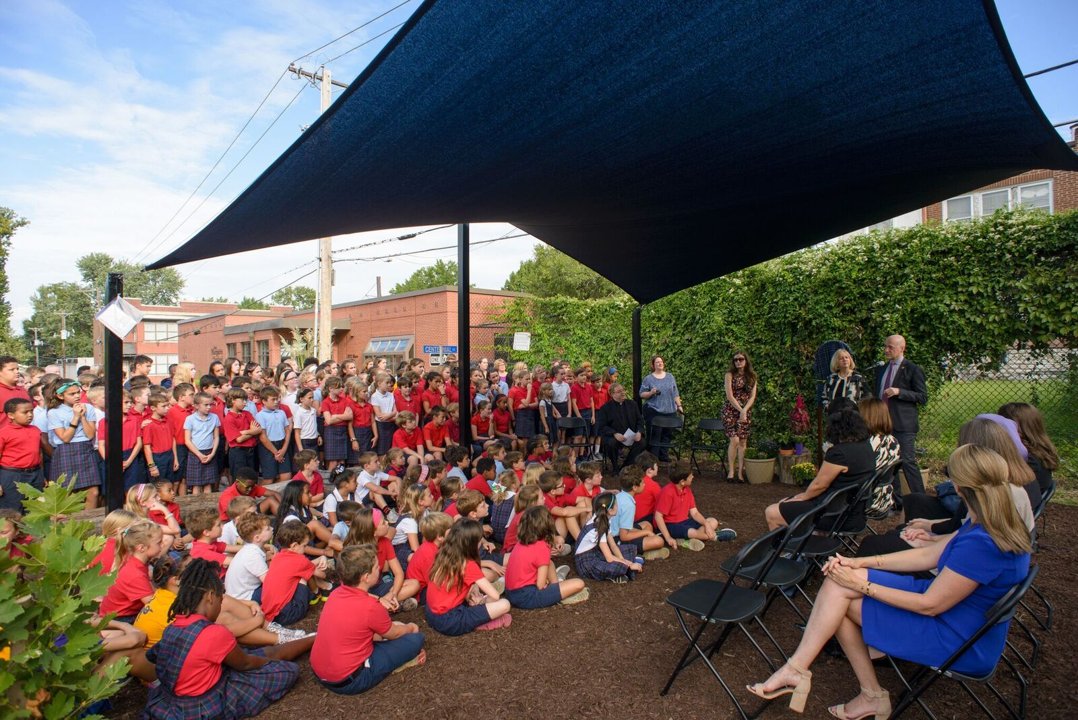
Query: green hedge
x,y
961,293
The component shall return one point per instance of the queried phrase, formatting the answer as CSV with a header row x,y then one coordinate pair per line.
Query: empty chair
x,y
709,433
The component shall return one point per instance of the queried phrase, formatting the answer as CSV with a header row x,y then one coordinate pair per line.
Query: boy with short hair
x,y
649,496
457,460
248,569
274,461
485,474
680,522
20,452
436,434
358,646
237,506
288,585
566,519
623,526
307,471
205,528
346,512
370,489
159,442
241,432
246,484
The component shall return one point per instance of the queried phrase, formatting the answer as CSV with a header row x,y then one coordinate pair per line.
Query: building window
x,y
263,354
960,208
160,331
1037,196
161,363
230,349
388,346
245,351
995,200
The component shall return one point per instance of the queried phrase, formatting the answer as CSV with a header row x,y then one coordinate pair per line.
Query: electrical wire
x,y
397,238
1035,73
426,250
365,42
353,30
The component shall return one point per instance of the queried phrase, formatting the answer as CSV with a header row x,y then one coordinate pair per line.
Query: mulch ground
x,y
610,656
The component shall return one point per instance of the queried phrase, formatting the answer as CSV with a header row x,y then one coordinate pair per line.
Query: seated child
x,y
230,535
295,505
514,461
530,578
436,434
679,521
166,493
375,487
598,555
307,470
501,504
647,543
459,597
409,438
112,528
346,512
142,499
589,479
345,485
414,502
566,518
246,484
646,498
141,543
435,528
287,587
370,529
203,671
484,476
449,490
358,646
458,462
205,528
248,568
473,506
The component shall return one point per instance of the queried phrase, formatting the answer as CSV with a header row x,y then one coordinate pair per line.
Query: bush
x,y
47,608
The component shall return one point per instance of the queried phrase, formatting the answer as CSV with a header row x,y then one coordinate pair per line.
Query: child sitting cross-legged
x,y
370,528
140,544
248,569
230,535
599,556
459,597
203,671
435,528
531,580
415,500
359,645
205,528
473,506
679,521
623,525
287,588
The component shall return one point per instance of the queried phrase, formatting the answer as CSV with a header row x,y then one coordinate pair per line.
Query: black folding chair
x,y
851,535
820,546
1040,525
708,431
576,433
723,603
925,676
672,423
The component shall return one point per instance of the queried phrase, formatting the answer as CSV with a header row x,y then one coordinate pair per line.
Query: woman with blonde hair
x,y
844,381
185,373
871,603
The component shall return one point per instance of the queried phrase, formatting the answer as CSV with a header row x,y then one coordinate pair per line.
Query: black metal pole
x,y
464,334
637,376
113,481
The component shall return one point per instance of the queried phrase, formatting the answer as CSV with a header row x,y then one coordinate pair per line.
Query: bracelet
x,y
868,590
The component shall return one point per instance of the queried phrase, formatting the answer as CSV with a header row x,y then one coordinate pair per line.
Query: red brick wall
x,y
1064,191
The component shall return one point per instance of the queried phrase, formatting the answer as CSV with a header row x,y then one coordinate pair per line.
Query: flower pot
x,y
758,472
786,451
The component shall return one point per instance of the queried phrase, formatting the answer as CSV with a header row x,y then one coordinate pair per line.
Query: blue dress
x,y
931,640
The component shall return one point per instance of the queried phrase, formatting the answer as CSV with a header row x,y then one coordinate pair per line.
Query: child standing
x,y
274,451
385,412
20,453
131,441
337,415
140,544
362,432
159,442
183,396
202,436
305,421
241,432
598,555
71,433
459,597
358,646
531,580
679,521
523,405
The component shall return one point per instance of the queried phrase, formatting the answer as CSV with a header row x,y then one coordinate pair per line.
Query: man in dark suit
x,y
615,417
901,385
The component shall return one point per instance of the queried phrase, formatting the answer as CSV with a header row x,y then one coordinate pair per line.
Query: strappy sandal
x,y
798,693
882,711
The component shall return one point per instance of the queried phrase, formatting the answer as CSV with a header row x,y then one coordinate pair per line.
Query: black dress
x,y
860,461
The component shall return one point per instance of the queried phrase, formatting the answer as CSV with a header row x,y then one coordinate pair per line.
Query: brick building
x,y
396,327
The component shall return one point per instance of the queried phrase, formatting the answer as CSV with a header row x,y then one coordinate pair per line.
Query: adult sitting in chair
x,y
849,461
865,603
615,417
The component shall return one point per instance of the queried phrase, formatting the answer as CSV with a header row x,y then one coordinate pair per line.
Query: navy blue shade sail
x,y
660,143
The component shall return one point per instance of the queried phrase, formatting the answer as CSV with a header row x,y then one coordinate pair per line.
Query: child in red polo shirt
x,y
306,462
159,442
183,396
502,420
566,518
144,500
20,452
112,528
409,438
133,464
531,580
484,475
646,498
246,483
241,432
140,544
678,520
363,432
588,487
205,528
460,599
436,434
345,657
291,579
337,416
370,528
434,527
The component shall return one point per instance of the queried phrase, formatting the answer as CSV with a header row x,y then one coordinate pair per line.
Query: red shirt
x,y
646,499
441,599
158,436
107,557
551,501
453,427
413,403
525,563
214,552
601,396
385,551
433,398
7,392
435,435
517,395
481,425
479,483
451,509
347,626
421,563
286,570
582,395
316,485
131,586
502,421
202,665
674,503
567,499
176,417
232,491
235,423
20,445
413,440
362,415
159,517
452,393
511,534
218,409
335,407
581,491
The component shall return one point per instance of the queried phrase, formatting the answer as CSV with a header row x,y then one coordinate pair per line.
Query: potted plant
x,y
760,464
803,473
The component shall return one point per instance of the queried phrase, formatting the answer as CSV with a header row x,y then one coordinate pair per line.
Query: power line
x,y
353,30
1035,73
398,238
426,250
365,42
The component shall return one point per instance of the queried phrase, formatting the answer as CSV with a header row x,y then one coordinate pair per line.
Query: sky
x,y
113,112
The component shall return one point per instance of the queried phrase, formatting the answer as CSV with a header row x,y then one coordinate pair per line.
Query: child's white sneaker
x,y
577,597
691,544
562,572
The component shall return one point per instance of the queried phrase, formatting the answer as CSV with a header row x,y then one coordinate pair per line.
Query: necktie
x,y
888,377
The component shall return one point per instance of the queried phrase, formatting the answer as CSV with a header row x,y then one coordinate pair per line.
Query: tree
x,y
296,296
9,223
436,275
250,303
152,287
551,272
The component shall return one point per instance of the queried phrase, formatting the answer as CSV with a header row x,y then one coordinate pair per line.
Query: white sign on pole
x,y
120,317
522,341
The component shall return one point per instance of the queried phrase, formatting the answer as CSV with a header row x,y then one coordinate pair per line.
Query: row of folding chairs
x,y
780,564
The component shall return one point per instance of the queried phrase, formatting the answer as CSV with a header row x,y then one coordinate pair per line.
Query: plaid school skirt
x,y
527,421
593,566
199,473
364,435
335,443
77,463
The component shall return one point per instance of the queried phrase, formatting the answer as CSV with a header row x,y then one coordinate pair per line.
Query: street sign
x,y
522,341
434,349
449,349
437,360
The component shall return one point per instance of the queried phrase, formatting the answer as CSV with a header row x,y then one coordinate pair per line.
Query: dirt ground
x,y
610,656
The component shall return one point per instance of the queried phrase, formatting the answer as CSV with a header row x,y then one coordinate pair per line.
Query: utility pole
x,y
63,343
37,347
323,307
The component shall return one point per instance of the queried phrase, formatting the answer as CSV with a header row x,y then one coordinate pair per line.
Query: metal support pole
x,y
114,379
464,330
637,377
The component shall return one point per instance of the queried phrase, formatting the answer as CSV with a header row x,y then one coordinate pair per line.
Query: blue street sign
x,y
434,349
449,349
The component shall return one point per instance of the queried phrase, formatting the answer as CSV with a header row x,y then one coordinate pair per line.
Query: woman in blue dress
x,y
867,602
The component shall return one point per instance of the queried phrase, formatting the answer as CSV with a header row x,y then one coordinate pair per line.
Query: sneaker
x,y
562,572
725,535
657,554
691,544
392,517
638,560
408,605
417,660
503,622
499,585
619,580
566,549
576,597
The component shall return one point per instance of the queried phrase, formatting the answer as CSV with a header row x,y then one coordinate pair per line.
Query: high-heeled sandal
x,y
798,693
882,711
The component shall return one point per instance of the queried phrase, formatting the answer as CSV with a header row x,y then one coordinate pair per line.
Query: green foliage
x,y
250,303
218,299
152,287
961,293
296,296
47,608
9,223
803,473
551,273
432,276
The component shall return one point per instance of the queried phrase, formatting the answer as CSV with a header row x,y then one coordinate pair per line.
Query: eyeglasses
x,y
739,359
